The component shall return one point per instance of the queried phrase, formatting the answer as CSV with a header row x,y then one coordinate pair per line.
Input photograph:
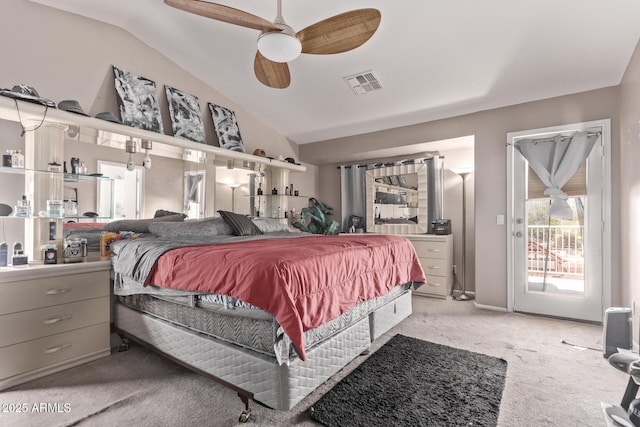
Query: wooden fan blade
x,y
340,33
224,14
272,74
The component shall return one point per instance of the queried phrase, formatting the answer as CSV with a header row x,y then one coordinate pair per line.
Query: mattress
x,y
245,325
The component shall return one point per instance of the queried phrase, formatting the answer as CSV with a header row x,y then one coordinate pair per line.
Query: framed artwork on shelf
x,y
226,126
186,118
137,101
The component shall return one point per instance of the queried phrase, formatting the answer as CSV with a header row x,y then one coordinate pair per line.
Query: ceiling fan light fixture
x,y
280,46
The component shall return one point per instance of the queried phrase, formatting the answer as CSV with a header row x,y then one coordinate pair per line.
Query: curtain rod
x,y
552,138
418,160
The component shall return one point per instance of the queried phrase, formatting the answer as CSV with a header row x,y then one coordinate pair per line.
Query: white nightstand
x,y
436,257
52,317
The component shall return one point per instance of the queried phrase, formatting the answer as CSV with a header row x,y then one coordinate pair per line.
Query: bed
x,y
268,312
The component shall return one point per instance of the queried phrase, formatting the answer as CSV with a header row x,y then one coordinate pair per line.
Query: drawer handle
x,y
434,250
433,284
434,267
57,348
53,320
57,291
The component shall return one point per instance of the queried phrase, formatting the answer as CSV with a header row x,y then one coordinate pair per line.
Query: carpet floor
x,y
548,382
411,382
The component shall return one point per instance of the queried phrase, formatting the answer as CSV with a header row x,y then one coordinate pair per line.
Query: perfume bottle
x,y
4,254
23,208
17,159
259,191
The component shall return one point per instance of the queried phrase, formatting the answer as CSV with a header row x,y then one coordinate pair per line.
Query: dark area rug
x,y
411,382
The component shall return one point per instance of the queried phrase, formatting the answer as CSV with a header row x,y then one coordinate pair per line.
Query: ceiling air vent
x,y
363,82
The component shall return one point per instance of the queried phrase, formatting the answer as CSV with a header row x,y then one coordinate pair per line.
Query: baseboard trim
x,y
489,307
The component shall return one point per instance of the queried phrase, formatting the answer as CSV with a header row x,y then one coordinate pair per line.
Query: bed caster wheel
x,y
124,345
244,416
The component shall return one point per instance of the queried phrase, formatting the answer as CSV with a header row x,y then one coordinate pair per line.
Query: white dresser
x,y
436,257
52,318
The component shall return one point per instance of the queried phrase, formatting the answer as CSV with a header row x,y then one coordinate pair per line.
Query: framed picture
x,y
224,121
137,101
186,118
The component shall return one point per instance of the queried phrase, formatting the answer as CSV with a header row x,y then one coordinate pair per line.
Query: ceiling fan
x,y
278,43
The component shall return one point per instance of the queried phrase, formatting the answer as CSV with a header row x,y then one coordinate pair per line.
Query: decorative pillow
x,y
242,226
163,212
139,225
192,228
270,225
108,237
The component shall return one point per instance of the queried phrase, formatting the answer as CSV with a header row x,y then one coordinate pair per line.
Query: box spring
x,y
256,330
279,386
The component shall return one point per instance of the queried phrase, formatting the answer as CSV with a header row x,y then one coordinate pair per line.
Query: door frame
x,y
605,125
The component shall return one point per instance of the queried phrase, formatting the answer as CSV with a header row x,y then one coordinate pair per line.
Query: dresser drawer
x,y
436,285
30,355
430,249
32,324
45,292
435,266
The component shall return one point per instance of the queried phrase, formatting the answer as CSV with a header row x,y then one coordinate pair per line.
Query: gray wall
x,y
490,129
630,187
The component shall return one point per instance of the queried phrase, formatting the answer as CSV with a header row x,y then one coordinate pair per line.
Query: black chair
x,y
628,363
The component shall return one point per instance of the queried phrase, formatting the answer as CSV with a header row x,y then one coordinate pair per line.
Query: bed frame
x,y
252,375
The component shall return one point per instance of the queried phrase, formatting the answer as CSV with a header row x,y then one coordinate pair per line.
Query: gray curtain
x,y
353,194
435,189
555,160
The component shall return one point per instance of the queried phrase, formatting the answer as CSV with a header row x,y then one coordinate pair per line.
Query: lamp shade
x,y
279,46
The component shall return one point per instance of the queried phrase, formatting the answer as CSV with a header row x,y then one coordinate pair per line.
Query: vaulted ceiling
x,y
435,59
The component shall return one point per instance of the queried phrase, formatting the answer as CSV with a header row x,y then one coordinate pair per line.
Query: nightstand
x,y
436,257
52,317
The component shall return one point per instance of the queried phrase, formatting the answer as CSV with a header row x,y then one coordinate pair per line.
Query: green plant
x,y
315,219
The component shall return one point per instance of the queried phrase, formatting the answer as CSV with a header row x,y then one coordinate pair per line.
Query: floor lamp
x,y
464,173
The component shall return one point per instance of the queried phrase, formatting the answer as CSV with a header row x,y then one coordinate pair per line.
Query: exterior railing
x,y
559,246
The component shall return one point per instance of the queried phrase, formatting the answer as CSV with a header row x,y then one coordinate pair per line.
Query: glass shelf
x,y
277,195
68,177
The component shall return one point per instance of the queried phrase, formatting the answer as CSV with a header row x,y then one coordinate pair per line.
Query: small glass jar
x,y
55,209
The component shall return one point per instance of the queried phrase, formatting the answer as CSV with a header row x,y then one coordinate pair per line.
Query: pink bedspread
x,y
304,281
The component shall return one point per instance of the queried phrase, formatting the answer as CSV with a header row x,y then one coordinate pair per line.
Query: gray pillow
x,y
139,225
164,212
192,228
242,226
270,225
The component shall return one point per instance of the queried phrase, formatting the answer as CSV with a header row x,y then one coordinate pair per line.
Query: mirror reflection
x,y
396,199
405,197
